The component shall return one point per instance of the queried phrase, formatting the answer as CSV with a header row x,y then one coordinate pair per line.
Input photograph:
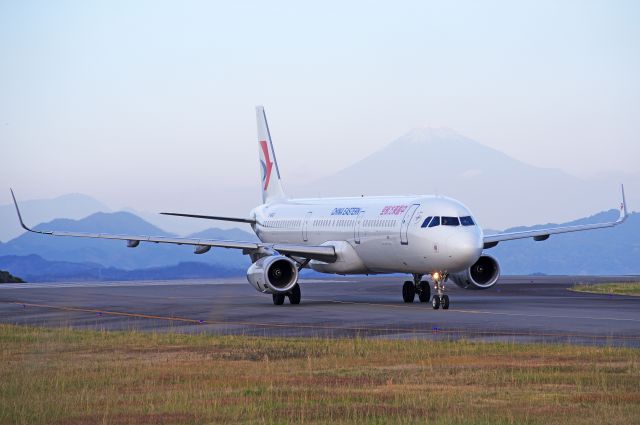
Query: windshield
x,y
447,221
450,221
466,221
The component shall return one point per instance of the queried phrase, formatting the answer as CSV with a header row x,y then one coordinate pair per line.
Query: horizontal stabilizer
x,y
212,217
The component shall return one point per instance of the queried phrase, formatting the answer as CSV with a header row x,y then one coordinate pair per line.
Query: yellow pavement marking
x,y
327,327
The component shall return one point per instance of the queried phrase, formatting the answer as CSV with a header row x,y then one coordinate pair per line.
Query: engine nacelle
x,y
482,275
274,274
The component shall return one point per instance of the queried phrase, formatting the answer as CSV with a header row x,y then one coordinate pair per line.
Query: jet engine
x,y
482,275
275,274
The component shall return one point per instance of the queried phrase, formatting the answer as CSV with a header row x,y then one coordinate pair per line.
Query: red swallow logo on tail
x,y
266,166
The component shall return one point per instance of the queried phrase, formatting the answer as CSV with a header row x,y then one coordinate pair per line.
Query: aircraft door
x,y
404,227
305,227
358,226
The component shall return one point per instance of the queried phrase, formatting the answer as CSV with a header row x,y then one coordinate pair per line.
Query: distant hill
x,y
36,269
109,253
77,206
181,225
501,191
73,206
606,251
6,277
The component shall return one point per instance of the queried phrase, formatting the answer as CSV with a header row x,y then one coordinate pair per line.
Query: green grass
x,y
64,376
629,288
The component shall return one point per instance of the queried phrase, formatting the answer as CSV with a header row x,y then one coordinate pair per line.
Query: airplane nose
x,y
464,249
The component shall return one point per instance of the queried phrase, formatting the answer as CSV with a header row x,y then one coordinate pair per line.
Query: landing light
x,y
436,276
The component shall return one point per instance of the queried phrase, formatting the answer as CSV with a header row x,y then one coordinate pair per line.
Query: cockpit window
x,y
426,221
450,221
435,222
466,221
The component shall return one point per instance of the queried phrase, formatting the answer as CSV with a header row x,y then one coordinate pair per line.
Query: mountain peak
x,y
492,183
120,222
446,144
73,206
430,134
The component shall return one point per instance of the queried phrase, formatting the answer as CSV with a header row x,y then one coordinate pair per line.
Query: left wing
x,y
324,253
543,234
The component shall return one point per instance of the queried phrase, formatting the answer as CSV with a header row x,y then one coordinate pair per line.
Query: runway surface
x,y
520,309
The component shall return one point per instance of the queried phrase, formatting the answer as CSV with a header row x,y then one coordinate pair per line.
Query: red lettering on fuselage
x,y
393,210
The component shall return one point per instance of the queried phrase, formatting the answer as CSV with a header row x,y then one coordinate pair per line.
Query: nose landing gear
x,y
440,299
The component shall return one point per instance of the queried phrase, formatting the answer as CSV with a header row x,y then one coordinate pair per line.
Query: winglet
x,y
18,211
24,226
623,207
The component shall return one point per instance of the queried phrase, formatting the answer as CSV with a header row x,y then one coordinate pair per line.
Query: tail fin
x,y
271,185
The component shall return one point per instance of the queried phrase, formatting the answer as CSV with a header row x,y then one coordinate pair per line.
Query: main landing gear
x,y
418,286
294,296
422,288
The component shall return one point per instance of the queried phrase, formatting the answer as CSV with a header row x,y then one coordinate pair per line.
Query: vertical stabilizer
x,y
270,174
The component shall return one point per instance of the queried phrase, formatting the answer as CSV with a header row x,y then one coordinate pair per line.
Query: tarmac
x,y
517,309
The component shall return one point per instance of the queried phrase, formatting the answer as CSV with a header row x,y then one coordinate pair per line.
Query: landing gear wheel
x,y
445,302
425,292
295,295
435,302
408,291
278,299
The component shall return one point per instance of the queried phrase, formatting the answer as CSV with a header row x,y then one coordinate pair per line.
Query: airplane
x,y
426,235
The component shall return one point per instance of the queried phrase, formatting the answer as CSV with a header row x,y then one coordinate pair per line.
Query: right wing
x,y
543,234
313,252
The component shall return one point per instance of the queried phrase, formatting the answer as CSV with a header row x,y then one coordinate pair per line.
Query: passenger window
x,y
435,222
450,221
426,221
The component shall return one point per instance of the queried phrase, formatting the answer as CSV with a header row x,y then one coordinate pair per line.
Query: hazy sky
x,y
150,104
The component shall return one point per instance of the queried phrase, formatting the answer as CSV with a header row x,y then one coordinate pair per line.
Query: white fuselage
x,y
377,234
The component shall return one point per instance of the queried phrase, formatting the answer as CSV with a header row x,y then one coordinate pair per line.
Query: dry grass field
x,y
625,288
64,376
